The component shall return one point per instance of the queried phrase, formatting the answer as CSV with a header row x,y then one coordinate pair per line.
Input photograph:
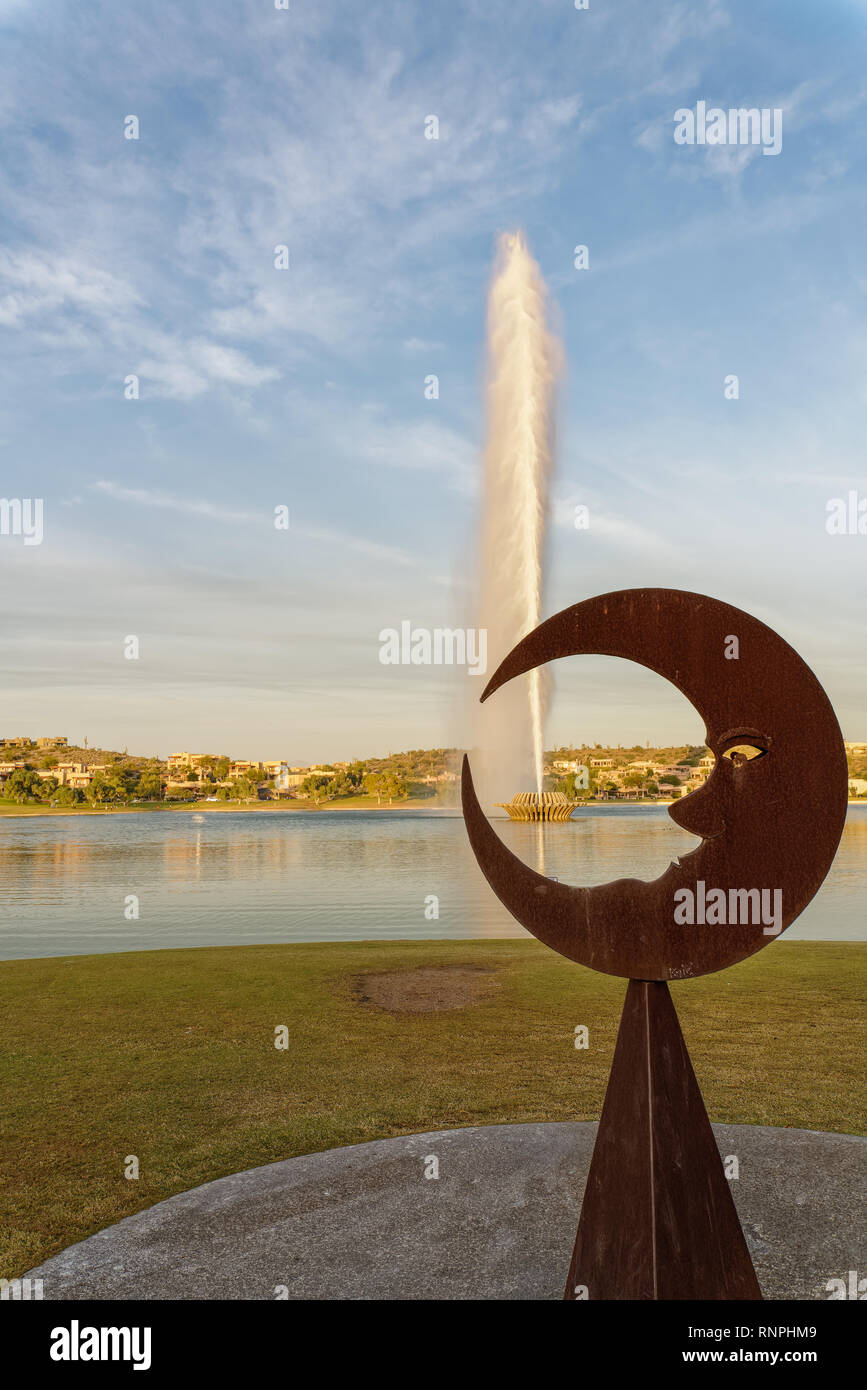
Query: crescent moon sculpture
x,y
658,1220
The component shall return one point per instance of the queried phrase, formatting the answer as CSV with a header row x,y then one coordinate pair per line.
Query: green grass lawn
x,y
170,1055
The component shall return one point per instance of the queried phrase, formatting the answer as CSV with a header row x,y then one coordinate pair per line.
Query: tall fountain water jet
x,y
524,361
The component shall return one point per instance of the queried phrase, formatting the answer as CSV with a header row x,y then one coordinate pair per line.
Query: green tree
x,y
396,787
68,796
101,791
349,780
22,785
149,785
316,788
122,780
47,787
108,787
374,785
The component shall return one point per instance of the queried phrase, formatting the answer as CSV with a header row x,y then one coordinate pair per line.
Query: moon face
x,y
770,815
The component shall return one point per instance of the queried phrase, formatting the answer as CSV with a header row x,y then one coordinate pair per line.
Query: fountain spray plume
x,y
524,361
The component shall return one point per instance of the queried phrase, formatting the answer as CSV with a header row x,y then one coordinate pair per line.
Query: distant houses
x,y
616,777
76,775
178,760
271,776
615,773
613,777
565,765
41,743
290,779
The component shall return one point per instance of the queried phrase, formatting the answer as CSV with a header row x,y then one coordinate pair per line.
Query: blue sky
x,y
305,387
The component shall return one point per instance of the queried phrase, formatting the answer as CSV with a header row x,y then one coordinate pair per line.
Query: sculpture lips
x,y
766,824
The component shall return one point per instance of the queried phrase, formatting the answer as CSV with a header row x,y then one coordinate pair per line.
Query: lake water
x,y
218,879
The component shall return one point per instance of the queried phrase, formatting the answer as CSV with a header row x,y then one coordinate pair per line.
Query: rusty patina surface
x,y
772,822
658,1220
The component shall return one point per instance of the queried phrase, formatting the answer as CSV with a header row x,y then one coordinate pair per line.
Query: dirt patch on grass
x,y
426,990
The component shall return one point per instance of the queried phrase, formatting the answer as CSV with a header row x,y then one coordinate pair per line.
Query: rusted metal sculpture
x,y
658,1220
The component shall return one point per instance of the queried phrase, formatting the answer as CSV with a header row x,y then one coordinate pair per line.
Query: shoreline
x,y
202,808
198,807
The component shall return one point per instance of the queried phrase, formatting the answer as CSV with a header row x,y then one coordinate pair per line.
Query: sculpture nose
x,y
699,813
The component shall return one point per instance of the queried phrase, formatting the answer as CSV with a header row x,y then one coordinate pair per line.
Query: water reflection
x,y
269,877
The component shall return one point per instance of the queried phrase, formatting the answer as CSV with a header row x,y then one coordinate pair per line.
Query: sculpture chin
x,y
679,862
625,927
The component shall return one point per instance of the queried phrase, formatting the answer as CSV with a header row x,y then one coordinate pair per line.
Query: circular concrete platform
x,y
497,1223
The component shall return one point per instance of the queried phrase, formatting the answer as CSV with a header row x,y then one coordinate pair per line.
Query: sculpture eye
x,y
746,752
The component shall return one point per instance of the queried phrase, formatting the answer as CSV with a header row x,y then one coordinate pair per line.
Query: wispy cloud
x,y
185,506
185,370
618,532
39,285
213,511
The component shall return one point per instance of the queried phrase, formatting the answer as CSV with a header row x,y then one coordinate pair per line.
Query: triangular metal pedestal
x,y
658,1220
